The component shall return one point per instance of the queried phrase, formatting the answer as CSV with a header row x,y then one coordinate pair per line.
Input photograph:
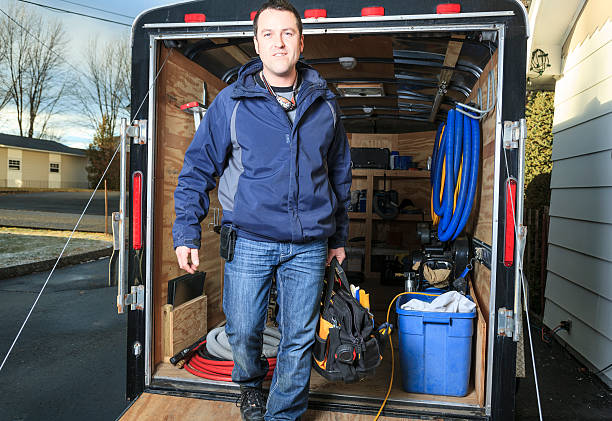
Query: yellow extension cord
x,y
391,345
436,219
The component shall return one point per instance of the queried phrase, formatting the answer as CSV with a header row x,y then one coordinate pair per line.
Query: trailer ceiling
x,y
422,75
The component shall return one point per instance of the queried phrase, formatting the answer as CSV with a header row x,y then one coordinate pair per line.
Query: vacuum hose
x,y
213,358
454,173
218,345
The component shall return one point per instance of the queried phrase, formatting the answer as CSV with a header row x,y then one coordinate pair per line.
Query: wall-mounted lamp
x,y
539,62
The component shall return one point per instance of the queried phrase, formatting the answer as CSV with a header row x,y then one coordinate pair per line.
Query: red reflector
x,y
195,17
315,13
137,210
510,220
443,9
253,13
373,11
189,105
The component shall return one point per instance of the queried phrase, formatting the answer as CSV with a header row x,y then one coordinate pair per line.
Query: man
x,y
276,140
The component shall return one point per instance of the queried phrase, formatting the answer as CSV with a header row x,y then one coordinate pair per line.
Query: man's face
x,y
278,43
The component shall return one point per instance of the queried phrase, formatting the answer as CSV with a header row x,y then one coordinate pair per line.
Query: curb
x,y
52,228
27,268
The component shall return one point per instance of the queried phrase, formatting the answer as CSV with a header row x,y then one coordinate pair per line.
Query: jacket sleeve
x,y
204,160
339,170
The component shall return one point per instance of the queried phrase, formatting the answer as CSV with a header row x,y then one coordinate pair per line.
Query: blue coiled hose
x,y
459,149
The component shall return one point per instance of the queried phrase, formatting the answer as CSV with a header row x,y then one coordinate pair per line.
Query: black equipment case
x,y
377,158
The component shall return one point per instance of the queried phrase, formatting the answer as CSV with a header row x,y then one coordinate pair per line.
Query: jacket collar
x,y
245,86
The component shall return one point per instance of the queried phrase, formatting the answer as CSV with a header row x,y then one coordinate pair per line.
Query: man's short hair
x,y
278,5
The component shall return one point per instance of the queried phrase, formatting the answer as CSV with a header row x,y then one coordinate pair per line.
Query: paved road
x,y
57,210
60,202
69,363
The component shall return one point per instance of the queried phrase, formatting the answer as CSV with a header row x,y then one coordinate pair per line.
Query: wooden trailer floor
x,y
154,407
374,387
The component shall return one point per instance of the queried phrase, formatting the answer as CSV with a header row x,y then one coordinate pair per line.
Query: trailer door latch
x,y
135,299
505,322
514,132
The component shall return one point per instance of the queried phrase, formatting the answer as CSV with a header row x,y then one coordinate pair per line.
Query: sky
x,y
73,128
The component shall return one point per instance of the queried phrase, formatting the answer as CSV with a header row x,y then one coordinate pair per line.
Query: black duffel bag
x,y
347,346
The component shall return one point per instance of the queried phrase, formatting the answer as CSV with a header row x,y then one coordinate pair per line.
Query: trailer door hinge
x,y
135,299
505,322
138,132
514,132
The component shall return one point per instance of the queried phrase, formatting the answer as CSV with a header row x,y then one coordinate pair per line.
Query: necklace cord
x,y
286,104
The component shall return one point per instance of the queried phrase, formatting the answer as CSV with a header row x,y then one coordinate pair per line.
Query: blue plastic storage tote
x,y
435,349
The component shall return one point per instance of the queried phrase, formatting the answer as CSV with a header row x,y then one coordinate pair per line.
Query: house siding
x,y
579,277
74,172
35,169
3,166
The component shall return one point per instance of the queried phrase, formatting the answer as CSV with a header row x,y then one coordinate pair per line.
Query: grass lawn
x,y
19,246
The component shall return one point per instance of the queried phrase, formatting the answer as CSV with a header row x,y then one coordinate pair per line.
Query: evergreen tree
x,y
539,113
538,148
99,153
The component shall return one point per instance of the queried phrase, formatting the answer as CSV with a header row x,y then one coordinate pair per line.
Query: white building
x,y
38,163
577,35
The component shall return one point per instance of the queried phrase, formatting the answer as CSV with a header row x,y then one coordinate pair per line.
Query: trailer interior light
x,y
195,17
448,8
510,221
137,210
253,13
373,11
315,13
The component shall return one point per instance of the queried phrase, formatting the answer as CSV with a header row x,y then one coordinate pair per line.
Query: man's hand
x,y
337,253
183,253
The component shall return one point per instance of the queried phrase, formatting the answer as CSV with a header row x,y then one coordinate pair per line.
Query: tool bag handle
x,y
333,270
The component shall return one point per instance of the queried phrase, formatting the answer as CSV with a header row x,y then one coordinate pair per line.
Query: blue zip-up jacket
x,y
279,181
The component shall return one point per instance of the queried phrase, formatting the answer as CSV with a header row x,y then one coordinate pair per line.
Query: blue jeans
x,y
299,270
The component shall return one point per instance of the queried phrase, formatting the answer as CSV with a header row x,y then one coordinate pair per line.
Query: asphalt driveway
x,y
69,363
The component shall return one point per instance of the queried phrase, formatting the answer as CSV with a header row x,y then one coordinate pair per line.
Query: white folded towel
x,y
449,302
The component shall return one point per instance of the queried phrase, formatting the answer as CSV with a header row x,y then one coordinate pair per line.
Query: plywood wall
x,y
481,221
180,82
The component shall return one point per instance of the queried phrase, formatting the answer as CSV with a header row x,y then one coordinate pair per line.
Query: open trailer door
x,y
163,138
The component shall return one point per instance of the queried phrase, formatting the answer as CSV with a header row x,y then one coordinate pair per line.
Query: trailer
x,y
398,68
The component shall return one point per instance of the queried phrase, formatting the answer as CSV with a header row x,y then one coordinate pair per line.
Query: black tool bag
x,y
353,347
370,158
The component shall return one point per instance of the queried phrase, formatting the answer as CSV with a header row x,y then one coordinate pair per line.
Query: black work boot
x,y
251,403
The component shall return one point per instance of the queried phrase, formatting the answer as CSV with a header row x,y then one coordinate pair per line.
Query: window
x,y
14,164
53,167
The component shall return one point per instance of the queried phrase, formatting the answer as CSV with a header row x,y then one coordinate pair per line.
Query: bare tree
x,y
4,97
33,68
106,95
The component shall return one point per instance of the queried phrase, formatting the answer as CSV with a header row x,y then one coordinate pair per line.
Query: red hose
x,y
220,370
